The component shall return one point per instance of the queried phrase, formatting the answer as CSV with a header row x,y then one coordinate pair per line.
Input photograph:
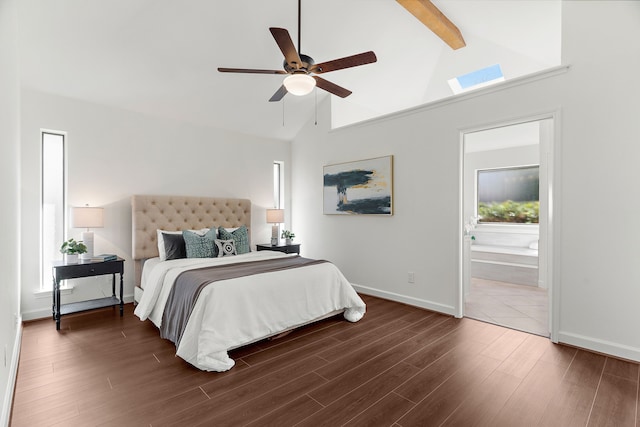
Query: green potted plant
x,y
71,249
288,236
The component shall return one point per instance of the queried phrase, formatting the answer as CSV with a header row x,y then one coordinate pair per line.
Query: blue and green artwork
x,y
361,187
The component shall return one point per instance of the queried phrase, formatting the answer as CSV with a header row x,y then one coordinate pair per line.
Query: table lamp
x,y
87,217
275,217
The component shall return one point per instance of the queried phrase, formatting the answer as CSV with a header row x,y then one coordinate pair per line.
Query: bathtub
x,y
511,264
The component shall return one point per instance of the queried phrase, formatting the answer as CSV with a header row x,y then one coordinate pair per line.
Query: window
x,y
509,195
476,79
278,193
52,210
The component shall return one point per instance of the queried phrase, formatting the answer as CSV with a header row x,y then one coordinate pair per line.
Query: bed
x,y
239,298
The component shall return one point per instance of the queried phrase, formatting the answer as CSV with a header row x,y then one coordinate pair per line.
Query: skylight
x,y
476,79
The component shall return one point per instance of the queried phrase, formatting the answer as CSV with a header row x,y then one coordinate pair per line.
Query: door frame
x,y
550,237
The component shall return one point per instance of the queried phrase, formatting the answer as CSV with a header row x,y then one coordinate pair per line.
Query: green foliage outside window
x,y
509,211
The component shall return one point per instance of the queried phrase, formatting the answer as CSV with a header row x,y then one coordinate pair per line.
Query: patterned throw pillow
x,y
239,236
226,247
199,246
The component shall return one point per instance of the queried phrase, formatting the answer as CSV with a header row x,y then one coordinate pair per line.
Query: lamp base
x,y
275,231
87,239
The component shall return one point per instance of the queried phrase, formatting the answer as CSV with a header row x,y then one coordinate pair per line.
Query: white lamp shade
x,y
86,217
299,84
275,216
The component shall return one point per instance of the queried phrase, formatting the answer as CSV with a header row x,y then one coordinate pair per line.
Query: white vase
x,y
288,241
70,258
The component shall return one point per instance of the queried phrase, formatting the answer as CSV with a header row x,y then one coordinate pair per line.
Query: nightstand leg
x,y
121,296
53,306
56,303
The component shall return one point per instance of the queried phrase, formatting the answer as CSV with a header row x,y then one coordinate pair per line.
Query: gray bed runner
x,y
189,284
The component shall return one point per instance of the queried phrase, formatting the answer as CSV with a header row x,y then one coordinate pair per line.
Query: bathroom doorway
x,y
505,209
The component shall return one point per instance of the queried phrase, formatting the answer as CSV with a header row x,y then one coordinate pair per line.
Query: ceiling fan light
x,y
299,84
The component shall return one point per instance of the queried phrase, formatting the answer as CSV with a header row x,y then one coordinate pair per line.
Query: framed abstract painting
x,y
363,187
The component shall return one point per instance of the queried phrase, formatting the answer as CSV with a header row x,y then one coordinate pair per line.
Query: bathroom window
x,y
508,195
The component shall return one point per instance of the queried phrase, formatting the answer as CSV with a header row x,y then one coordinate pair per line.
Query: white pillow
x,y
162,253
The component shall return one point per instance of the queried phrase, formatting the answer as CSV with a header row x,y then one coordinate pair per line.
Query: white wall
x,y
113,154
596,156
9,214
599,276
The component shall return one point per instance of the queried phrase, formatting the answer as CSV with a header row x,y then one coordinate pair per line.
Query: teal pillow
x,y
198,245
240,236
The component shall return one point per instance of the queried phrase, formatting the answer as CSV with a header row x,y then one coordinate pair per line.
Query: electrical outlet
x,y
411,277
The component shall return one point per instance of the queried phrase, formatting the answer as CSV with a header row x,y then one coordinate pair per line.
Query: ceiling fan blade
x,y
280,93
332,87
250,71
346,62
283,39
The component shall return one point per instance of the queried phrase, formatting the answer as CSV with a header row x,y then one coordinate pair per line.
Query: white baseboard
x,y
417,302
13,373
46,312
600,346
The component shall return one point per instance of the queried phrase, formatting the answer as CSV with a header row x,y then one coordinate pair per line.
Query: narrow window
x,y
52,211
278,201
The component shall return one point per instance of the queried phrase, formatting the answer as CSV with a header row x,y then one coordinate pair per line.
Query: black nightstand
x,y
62,271
293,248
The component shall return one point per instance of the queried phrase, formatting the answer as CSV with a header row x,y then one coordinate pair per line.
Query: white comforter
x,y
231,313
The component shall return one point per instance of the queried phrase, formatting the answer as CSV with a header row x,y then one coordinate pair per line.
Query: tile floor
x,y
525,308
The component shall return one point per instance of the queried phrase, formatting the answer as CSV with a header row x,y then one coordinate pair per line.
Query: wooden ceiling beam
x,y
430,15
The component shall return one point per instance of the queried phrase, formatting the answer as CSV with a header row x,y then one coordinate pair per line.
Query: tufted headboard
x,y
150,213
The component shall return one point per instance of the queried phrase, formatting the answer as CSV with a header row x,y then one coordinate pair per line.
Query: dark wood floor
x,y
398,366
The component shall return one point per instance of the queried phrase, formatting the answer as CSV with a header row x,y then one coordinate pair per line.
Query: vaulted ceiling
x,y
160,57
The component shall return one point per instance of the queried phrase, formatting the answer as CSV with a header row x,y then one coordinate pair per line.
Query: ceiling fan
x,y
300,67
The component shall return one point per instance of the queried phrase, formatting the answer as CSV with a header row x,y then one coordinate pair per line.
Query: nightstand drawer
x,y
73,271
293,248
